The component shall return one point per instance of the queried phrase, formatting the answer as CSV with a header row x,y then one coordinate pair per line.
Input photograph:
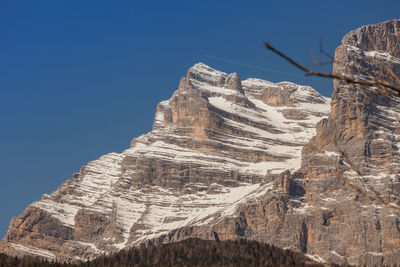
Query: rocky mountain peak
x,y
352,164
202,73
366,116
381,37
215,145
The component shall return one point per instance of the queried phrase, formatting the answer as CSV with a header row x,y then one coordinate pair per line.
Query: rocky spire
x,y
233,82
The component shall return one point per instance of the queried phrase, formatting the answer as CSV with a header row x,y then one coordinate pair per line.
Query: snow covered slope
x,y
217,143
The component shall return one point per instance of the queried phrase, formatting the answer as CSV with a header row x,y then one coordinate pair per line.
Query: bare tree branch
x,y
310,72
316,61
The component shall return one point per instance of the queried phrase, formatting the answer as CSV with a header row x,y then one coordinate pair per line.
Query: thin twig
x,y
316,61
322,51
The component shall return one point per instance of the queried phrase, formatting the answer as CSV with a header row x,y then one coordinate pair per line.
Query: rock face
x,y
342,205
353,163
230,159
215,145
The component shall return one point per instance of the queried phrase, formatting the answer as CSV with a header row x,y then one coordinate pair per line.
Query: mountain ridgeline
x,y
229,159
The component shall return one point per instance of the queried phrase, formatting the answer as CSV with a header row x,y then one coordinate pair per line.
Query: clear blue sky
x,y
79,79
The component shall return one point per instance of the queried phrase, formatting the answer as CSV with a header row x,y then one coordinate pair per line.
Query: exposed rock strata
x,y
354,159
215,144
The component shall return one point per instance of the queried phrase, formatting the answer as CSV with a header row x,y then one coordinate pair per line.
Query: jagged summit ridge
x,y
203,73
216,144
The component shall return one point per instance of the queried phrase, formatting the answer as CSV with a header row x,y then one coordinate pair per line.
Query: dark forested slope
x,y
191,252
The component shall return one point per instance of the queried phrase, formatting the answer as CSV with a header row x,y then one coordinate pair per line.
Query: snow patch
x,y
33,251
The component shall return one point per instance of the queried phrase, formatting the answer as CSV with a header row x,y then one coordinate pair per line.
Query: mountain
x,y
230,159
216,144
351,167
348,208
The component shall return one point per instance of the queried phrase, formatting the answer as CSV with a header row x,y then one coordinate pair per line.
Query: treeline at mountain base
x,y
191,252
29,261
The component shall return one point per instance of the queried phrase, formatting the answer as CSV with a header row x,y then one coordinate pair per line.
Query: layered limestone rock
x,y
354,160
218,143
342,205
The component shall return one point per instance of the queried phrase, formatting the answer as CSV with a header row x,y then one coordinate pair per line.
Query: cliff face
x,y
230,159
217,143
348,205
360,142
